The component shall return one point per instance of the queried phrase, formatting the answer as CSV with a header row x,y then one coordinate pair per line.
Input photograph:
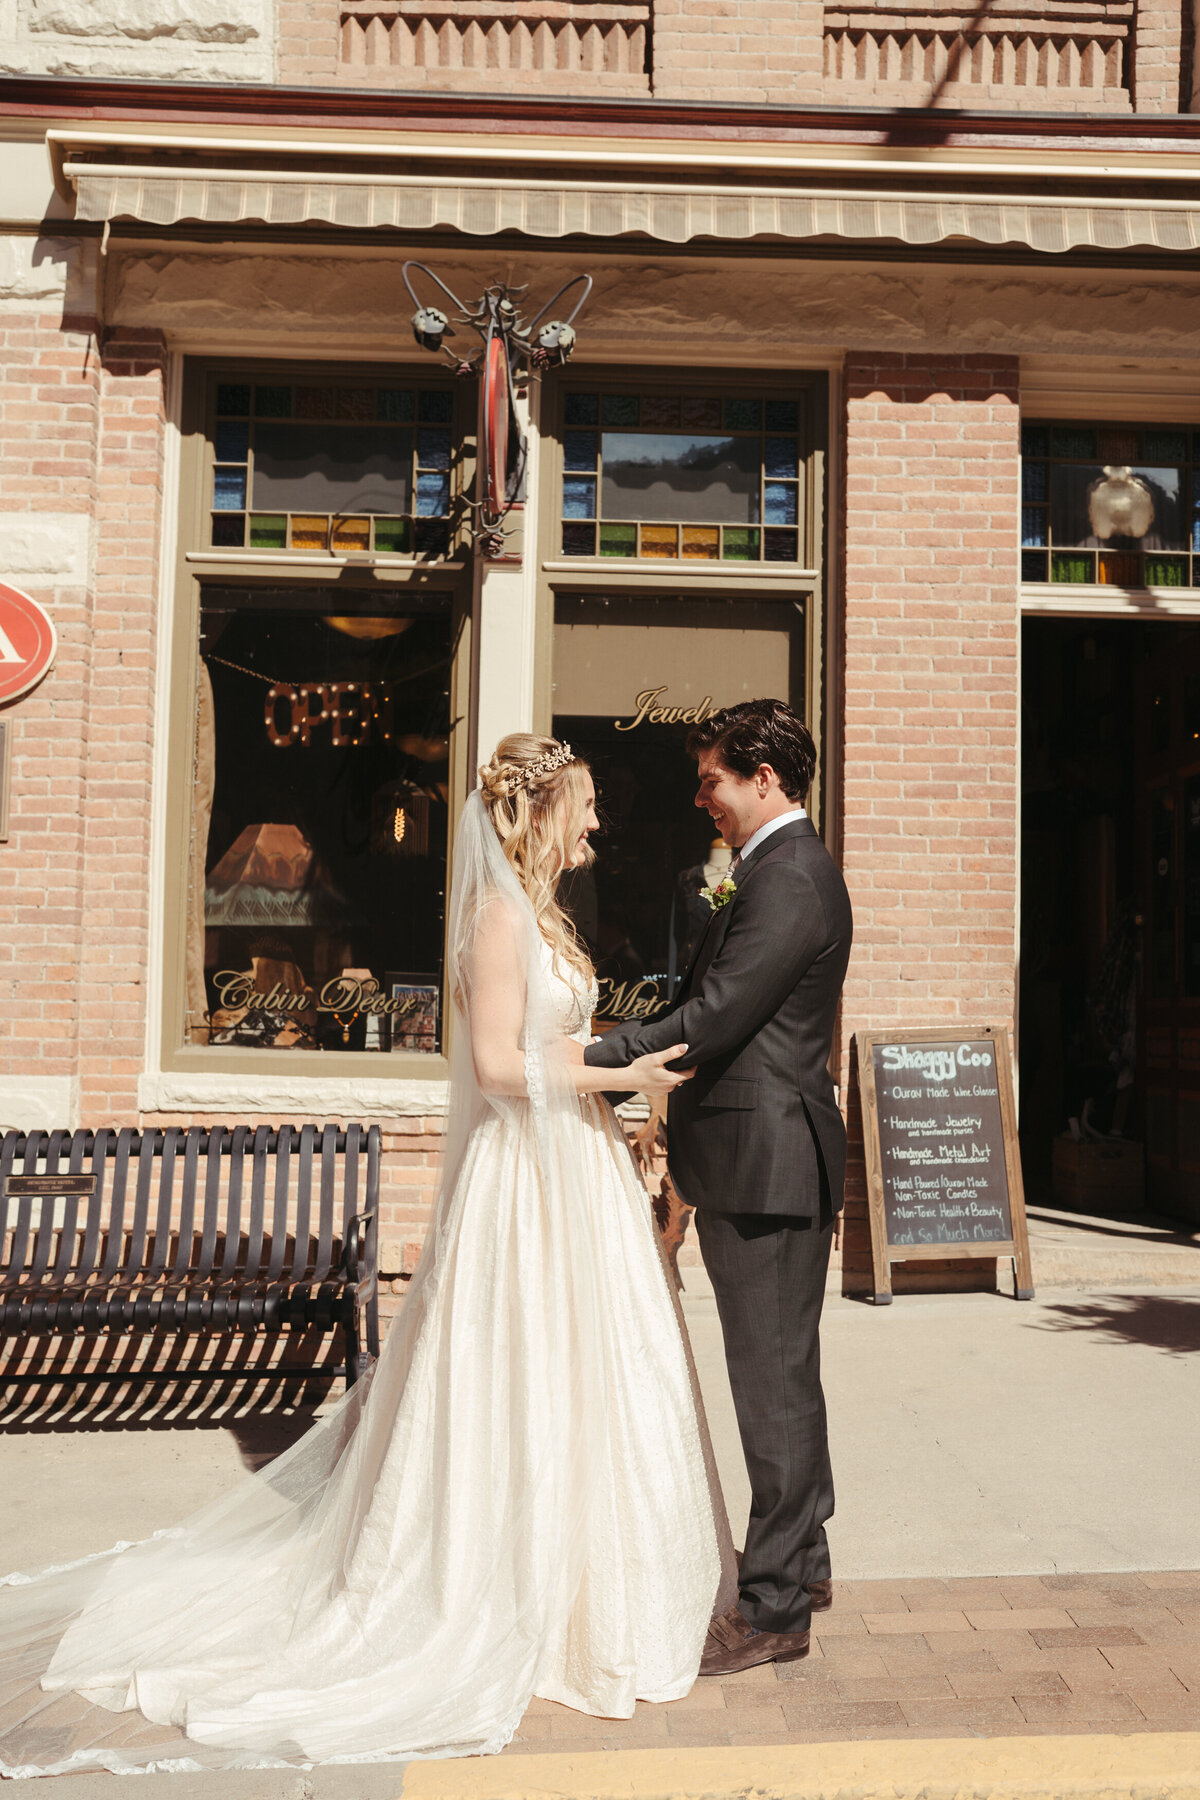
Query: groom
x,y
756,1144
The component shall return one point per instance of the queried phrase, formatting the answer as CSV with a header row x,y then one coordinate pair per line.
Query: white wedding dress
x,y
518,1499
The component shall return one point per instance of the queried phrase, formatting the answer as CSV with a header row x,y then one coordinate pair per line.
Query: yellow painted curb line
x,y
1147,1766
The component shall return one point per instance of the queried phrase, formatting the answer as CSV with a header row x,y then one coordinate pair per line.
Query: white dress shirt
x,y
764,831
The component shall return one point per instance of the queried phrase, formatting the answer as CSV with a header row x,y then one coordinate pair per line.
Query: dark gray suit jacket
x,y
756,1008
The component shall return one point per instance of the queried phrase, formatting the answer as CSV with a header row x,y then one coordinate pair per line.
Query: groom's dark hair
x,y
756,732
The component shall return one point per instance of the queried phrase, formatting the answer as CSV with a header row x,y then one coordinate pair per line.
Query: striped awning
x,y
671,214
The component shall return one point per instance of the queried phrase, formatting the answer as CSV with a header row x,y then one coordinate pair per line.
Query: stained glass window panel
x,y
231,441
310,533
1034,481
315,403
579,539
739,546
700,415
743,415
352,534
234,398
433,448
1166,571
1166,446
268,531
229,489
779,503
582,409
781,456
1033,525
702,541
579,449
782,415
273,402
393,536
659,540
397,404
433,494
1070,440
435,406
1118,568
579,497
619,409
618,540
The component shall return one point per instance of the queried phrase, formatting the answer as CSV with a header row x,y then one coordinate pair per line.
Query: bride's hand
x,y
648,1074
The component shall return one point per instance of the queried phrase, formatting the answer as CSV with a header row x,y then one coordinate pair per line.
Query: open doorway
x,y
1110,915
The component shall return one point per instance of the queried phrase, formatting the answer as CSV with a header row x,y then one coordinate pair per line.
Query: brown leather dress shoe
x,y
733,1644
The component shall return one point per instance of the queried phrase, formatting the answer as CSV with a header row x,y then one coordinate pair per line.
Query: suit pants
x,y
768,1273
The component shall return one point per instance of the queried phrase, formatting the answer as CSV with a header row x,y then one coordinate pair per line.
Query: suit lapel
x,y
798,828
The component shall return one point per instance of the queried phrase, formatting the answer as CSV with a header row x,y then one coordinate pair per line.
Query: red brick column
x,y
931,649
48,426
119,728
1159,46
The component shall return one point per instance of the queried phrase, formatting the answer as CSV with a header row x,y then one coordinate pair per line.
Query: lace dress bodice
x,y
574,998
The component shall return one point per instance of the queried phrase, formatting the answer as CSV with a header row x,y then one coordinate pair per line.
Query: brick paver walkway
x,y
1010,1655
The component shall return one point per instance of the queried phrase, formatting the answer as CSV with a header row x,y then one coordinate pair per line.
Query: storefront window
x,y
697,477
344,467
631,677
1117,505
320,819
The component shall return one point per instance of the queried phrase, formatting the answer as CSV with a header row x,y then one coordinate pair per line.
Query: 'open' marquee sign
x,y
27,642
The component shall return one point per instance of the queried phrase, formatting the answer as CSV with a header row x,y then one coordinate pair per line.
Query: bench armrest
x,y
352,1247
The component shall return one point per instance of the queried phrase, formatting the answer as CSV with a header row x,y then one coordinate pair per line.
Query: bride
x,y
519,1499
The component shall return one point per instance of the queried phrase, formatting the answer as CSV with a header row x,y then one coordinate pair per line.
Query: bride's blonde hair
x,y
538,816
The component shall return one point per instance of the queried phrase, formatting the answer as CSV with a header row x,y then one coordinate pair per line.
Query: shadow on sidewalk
x,y
263,1425
1167,1322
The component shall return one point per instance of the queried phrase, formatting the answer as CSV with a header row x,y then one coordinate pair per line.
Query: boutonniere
x,y
721,894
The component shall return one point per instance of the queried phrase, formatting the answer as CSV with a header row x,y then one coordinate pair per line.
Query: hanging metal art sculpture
x,y
511,349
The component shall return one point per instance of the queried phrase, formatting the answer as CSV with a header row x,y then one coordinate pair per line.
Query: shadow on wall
x,y
1167,1322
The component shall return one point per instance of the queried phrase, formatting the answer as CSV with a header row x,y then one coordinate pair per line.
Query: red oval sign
x,y
27,642
495,375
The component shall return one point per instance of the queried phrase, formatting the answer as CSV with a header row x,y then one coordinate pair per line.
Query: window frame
x,y
683,577
1046,593
197,565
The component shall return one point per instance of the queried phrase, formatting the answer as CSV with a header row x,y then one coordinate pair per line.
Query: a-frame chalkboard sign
x,y
943,1164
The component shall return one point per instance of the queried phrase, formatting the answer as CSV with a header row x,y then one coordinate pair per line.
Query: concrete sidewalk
x,y
1016,1547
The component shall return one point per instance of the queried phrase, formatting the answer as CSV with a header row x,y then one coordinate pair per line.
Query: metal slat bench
x,y
190,1230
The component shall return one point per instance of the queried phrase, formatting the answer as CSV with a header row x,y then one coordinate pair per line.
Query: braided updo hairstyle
x,y
538,819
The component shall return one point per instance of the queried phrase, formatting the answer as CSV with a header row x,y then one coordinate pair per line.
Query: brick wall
x,y
931,658
741,49
1162,56
1101,56
49,422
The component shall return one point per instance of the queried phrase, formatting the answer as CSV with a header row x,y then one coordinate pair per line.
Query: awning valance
x,y
671,214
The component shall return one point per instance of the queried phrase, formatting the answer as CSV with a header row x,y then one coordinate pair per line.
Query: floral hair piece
x,y
545,765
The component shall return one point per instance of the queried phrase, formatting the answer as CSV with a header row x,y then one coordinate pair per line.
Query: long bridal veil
x,y
387,1587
